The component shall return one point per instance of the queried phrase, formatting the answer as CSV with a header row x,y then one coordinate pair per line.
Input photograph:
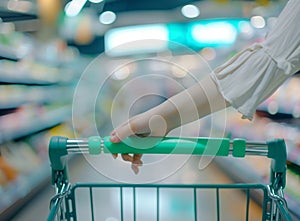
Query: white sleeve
x,y
255,73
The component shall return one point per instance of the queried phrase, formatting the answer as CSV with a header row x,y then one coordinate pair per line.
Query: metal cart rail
x,y
63,205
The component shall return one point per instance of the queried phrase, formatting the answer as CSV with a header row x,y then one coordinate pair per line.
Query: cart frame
x,y
274,205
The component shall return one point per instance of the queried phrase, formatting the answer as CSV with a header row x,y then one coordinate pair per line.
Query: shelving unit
x,y
25,183
31,73
22,190
35,100
36,124
12,96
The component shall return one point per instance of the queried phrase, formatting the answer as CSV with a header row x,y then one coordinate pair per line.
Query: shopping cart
x,y
64,205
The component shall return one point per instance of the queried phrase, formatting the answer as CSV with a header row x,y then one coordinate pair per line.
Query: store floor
x,y
175,204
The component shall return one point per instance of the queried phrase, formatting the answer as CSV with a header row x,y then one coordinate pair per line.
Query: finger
x,y
136,163
115,155
137,159
120,133
135,168
127,157
114,138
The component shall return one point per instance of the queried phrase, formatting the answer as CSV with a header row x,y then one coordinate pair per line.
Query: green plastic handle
x,y
169,145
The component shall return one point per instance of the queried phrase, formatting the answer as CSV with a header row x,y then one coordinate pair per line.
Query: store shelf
x,y
19,192
27,81
12,104
37,80
11,15
30,73
9,78
36,124
14,96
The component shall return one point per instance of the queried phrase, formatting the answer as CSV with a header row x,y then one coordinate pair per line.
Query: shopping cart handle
x,y
169,145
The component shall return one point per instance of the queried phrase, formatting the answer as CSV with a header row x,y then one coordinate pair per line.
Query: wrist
x,y
169,113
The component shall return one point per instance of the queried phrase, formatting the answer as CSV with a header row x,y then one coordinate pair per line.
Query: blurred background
x,y
77,68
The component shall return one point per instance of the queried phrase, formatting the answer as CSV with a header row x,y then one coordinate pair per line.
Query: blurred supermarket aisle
x,y
71,75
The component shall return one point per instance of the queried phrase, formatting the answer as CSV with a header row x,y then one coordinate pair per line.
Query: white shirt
x,y
255,73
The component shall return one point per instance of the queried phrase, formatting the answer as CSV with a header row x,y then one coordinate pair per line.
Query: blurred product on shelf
x,y
14,45
8,173
55,53
14,96
28,72
49,11
31,118
21,157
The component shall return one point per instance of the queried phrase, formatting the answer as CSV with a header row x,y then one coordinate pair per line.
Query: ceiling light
x,y
190,11
258,21
74,7
136,39
107,17
96,1
214,33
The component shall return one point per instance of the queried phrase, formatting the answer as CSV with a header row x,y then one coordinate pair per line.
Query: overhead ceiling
x,y
13,10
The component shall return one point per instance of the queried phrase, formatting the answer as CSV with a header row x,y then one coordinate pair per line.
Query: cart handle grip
x,y
168,145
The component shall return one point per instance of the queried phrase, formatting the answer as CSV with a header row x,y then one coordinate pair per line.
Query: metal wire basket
x,y
119,201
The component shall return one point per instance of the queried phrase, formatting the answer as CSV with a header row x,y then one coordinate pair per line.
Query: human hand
x,y
142,125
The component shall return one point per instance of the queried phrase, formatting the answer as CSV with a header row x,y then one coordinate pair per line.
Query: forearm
x,y
191,104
